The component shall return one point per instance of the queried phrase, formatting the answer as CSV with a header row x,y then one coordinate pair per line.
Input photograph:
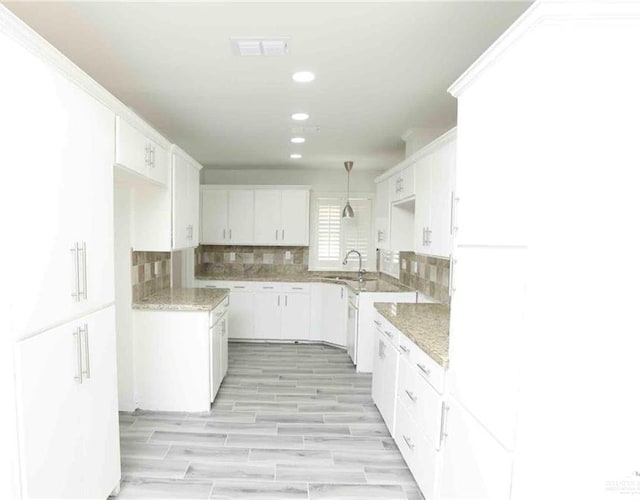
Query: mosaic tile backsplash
x,y
150,273
429,275
212,260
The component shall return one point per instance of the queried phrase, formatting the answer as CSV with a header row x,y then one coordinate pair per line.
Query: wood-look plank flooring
x,y
291,421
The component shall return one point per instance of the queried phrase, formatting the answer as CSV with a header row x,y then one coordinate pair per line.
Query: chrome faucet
x,y
361,272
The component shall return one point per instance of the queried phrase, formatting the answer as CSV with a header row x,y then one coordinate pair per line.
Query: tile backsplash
x,y
429,275
150,273
212,260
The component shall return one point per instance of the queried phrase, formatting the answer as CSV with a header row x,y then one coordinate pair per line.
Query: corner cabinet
x,y
185,200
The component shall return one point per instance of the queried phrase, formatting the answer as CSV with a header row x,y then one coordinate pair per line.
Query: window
x,y
333,236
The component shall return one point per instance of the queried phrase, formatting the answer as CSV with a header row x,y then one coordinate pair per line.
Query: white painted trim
x,y
12,27
542,12
448,136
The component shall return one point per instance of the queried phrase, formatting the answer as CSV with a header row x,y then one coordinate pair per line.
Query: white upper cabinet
x,y
137,152
268,217
59,142
382,214
435,198
227,216
295,217
402,185
186,200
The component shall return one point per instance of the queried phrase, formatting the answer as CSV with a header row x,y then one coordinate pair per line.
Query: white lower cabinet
x,y
328,313
474,464
67,410
180,358
241,315
282,315
385,377
267,315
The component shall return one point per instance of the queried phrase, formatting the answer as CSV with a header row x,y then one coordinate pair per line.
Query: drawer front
x,y
426,367
420,456
386,329
408,389
268,287
238,286
296,287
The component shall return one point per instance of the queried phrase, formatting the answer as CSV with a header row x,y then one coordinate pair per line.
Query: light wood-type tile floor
x,y
291,421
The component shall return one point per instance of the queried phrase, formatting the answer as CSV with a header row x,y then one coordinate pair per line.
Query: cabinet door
x,y
474,465
241,315
267,315
424,190
50,410
49,131
132,147
193,206
267,217
159,164
335,314
443,182
378,375
390,370
295,217
296,316
352,332
185,203
100,467
382,215
215,217
224,347
240,228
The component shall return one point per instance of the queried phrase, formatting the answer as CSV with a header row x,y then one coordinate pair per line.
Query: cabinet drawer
x,y
426,367
387,330
296,287
420,456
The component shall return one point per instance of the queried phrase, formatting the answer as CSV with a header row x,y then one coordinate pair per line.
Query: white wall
x,y
319,180
124,329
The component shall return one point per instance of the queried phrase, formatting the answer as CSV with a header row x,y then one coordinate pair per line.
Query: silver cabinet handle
x,y
451,213
376,322
153,157
84,331
283,235
224,234
210,286
443,421
286,301
75,293
276,235
278,300
146,155
341,293
424,370
411,395
297,288
404,349
83,269
78,349
267,287
381,349
239,286
409,443
452,263
230,234
388,334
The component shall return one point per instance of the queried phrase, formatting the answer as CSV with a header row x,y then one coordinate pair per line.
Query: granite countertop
x,y
183,299
376,285
427,325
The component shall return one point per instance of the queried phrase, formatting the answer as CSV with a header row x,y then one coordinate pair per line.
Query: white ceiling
x,y
381,68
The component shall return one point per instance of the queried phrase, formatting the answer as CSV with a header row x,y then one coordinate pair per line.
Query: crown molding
x,y
448,136
15,29
544,12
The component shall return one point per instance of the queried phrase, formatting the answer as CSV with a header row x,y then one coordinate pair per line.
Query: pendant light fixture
x,y
347,211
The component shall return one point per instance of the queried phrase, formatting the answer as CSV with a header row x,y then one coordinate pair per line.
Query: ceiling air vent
x,y
259,46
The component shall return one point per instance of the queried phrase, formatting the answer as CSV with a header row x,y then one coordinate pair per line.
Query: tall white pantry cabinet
x,y
544,342
58,150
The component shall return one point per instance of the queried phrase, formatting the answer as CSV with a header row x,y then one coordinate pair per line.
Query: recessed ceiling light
x,y
299,117
297,140
295,156
303,76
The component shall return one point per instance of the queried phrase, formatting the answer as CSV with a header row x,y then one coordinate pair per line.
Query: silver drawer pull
x,y
408,441
404,349
377,322
388,334
87,369
267,287
237,286
78,349
297,288
424,370
210,286
411,395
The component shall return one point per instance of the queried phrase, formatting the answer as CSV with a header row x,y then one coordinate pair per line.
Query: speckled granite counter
x,y
370,286
427,325
183,299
